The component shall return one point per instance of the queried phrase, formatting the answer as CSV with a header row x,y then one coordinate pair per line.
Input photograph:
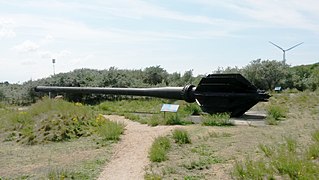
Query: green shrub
x,y
158,151
201,163
109,130
56,120
173,119
192,109
277,112
219,119
181,136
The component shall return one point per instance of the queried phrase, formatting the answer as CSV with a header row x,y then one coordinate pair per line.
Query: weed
x,y
277,112
193,177
65,174
271,121
192,109
219,119
315,136
168,170
155,120
181,136
201,163
313,151
202,150
109,130
152,176
173,120
158,151
281,160
267,150
252,170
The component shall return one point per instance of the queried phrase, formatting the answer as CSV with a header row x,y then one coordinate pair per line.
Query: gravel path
x,y
131,153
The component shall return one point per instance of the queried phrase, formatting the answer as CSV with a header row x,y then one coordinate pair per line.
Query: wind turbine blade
x,y
293,46
276,45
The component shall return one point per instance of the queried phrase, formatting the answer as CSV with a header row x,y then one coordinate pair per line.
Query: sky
x,y
177,35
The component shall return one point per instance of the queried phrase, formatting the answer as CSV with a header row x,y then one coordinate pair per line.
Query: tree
x,y
155,75
266,74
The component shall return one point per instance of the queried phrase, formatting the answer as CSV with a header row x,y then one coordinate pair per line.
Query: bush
x,y
109,130
158,151
277,112
192,109
56,120
219,119
181,136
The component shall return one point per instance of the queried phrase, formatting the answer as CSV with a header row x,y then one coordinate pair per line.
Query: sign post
x,y
169,108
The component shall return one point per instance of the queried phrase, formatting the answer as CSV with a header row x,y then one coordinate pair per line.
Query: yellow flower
x,y
78,104
75,119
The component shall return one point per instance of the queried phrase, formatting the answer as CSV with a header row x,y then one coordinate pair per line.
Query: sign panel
x,y
170,108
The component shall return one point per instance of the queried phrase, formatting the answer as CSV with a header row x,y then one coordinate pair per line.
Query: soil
x,y
131,154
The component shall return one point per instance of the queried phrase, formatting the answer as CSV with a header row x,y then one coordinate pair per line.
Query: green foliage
x,y
109,130
201,163
266,74
181,136
65,174
141,105
153,176
219,119
192,109
55,120
159,149
155,75
275,113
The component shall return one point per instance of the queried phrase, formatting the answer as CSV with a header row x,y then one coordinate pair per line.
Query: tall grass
x,y
159,149
108,130
181,136
275,113
281,161
53,120
219,119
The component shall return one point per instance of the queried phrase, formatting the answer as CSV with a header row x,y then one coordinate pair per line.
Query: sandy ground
x,y
131,153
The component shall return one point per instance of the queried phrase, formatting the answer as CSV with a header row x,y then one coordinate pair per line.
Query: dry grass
x,y
82,158
215,150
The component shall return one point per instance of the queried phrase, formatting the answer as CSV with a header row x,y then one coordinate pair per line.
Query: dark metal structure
x,y
216,93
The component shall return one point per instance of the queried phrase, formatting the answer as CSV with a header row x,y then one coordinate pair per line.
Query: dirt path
x,y
131,153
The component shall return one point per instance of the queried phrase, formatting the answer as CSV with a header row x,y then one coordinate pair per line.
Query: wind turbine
x,y
284,50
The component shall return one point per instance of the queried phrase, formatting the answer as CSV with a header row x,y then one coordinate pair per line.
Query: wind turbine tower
x,y
284,50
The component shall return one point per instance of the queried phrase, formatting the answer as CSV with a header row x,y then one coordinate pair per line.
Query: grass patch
x,y
159,149
280,161
275,113
65,174
149,105
78,159
169,119
108,130
181,136
191,109
149,176
220,119
54,121
202,163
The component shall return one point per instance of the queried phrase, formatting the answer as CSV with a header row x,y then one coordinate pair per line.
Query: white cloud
x,y
47,39
27,46
6,28
274,13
